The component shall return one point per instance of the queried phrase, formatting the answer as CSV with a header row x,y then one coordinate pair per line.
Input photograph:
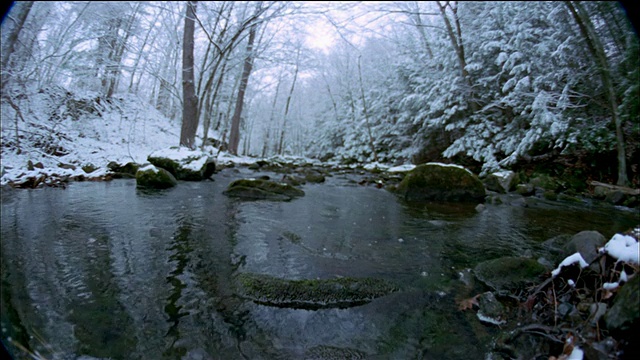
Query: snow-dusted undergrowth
x,y
51,127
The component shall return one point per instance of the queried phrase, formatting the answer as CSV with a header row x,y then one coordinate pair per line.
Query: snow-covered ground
x,y
56,133
50,133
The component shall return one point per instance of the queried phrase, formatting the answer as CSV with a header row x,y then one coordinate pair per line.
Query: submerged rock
x,y
509,273
441,182
155,178
260,189
323,352
312,294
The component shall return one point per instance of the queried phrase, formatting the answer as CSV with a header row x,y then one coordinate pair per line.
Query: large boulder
x,y
586,243
154,178
261,189
184,164
509,273
312,294
441,182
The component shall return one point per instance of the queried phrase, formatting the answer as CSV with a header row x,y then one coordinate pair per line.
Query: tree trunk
x,y
456,43
597,50
234,136
190,102
286,107
12,37
272,116
366,114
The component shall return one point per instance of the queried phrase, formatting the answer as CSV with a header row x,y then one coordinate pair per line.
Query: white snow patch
x,y
401,168
450,165
571,259
489,319
375,165
623,248
149,167
610,286
576,354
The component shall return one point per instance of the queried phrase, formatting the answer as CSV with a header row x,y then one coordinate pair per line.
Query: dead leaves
x,y
467,304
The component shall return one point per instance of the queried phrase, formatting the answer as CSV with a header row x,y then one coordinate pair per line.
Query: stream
x,y
103,270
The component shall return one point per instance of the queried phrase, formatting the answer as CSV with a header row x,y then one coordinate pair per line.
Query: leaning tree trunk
x,y
8,46
597,50
190,102
234,136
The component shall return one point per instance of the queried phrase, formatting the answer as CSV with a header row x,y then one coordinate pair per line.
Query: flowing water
x,y
105,270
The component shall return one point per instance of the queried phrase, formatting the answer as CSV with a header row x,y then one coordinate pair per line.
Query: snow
x,y
450,165
149,167
375,165
576,354
489,319
623,248
610,286
401,168
571,259
128,130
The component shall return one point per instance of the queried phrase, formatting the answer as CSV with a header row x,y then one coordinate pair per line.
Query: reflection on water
x,y
108,271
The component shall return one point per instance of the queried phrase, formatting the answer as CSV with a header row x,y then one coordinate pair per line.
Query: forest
x,y
551,86
319,180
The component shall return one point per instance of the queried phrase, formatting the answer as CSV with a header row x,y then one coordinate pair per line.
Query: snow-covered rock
x,y
153,177
184,163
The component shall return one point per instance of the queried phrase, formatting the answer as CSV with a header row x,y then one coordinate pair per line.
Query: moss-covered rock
x,y
624,315
127,170
155,178
313,176
89,168
312,294
509,273
323,352
545,181
260,189
441,182
184,164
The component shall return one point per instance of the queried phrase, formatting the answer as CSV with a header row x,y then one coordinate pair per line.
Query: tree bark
x,y
190,100
288,103
12,38
458,47
597,50
234,136
366,114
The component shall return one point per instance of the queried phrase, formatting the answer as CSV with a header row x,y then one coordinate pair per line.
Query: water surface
x,y
104,270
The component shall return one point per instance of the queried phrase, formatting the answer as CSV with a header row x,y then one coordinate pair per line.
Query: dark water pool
x,y
103,270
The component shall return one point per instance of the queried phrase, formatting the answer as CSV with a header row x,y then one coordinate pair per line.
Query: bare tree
x,y
288,103
190,102
234,135
366,113
8,44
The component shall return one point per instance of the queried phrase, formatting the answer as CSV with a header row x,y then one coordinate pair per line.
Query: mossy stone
x,y
312,294
624,315
157,178
262,189
441,183
509,273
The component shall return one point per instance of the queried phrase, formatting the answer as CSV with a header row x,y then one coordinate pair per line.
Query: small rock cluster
x,y
587,307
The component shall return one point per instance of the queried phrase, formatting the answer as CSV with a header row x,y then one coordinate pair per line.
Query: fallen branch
x,y
622,189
